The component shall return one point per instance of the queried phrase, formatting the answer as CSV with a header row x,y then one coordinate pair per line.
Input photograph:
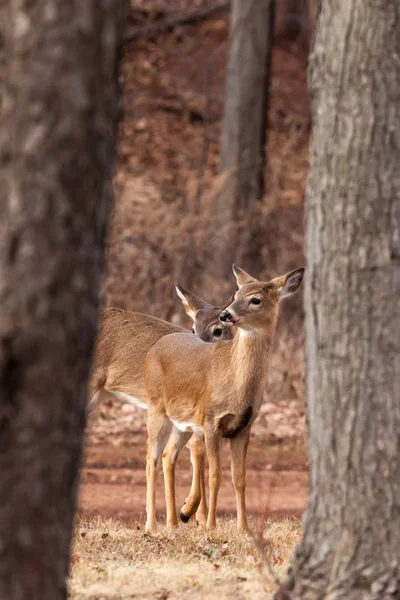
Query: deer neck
x,y
250,355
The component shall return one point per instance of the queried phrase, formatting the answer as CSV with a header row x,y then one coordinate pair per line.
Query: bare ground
x,y
276,481
114,482
114,559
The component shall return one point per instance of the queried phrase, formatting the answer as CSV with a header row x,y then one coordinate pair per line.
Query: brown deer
x,y
123,340
213,389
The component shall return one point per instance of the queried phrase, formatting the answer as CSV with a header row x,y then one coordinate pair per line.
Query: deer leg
x,y
176,442
196,501
239,445
96,390
201,513
213,446
93,403
96,399
159,429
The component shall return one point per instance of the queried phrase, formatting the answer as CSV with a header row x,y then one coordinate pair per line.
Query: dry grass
x,y
115,560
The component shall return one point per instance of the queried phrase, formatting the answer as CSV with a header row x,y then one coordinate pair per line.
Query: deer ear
x,y
191,303
289,283
241,276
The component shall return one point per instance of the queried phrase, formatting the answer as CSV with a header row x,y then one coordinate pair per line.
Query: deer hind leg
x,y
196,501
213,446
96,400
176,442
159,429
239,445
96,391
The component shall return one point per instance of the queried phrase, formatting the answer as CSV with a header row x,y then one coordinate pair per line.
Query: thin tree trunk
x,y
244,125
57,141
351,543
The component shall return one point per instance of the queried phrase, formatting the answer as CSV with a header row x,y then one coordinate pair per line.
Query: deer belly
x,y
139,402
186,427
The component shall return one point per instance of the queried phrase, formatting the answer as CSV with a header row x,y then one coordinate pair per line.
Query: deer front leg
x,y
159,429
201,513
196,501
213,445
239,445
176,442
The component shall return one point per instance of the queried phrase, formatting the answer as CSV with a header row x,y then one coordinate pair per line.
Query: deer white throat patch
x,y
246,333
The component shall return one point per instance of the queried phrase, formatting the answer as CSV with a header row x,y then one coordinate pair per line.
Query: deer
x,y
123,340
214,390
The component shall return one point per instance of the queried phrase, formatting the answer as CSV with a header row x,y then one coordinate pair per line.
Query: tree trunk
x,y
313,10
57,141
351,543
244,125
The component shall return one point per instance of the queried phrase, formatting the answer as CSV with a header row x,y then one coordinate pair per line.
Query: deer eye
x,y
217,332
255,301
193,331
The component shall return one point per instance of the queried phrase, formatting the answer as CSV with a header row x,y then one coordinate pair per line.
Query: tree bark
x,y
57,141
350,548
244,125
313,10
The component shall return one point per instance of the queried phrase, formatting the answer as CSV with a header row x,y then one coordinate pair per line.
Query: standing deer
x,y
123,341
213,389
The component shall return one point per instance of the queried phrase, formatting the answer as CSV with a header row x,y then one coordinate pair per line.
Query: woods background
x,y
165,222
185,212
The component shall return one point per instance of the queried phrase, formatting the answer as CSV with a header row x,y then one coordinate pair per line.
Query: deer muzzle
x,y
226,317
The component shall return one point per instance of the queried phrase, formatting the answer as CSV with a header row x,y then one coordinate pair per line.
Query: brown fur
x,y
123,341
206,323
210,385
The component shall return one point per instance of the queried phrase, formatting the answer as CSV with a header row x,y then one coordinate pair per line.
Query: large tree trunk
x,y
313,10
351,544
244,126
57,141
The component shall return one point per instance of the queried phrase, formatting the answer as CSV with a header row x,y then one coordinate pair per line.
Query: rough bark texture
x,y
57,140
351,540
245,122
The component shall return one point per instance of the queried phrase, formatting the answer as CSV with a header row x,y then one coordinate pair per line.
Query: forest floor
x,y
114,560
112,557
114,480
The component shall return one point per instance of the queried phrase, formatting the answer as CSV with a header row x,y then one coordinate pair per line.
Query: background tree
x,y
350,548
244,126
57,141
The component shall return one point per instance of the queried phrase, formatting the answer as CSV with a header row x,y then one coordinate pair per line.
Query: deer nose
x,y
225,315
